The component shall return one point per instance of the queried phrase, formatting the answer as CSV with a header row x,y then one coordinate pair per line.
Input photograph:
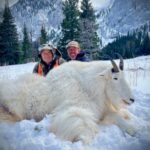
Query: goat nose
x,y
132,100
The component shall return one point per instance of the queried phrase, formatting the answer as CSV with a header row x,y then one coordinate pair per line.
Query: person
x,y
50,57
74,52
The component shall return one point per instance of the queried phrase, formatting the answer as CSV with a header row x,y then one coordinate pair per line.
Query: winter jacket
x,y
42,68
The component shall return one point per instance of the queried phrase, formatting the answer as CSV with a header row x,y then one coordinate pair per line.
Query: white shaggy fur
x,y
79,96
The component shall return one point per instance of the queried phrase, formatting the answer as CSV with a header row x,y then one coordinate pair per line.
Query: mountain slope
x,y
37,13
121,17
117,18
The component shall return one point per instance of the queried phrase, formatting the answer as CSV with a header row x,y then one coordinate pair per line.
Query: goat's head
x,y
117,89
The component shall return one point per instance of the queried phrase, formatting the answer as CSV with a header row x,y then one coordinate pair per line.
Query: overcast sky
x,y
96,3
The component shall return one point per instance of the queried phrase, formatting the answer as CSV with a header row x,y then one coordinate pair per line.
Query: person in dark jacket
x,y
50,58
74,52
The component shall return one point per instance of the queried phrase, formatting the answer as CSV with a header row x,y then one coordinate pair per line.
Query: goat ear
x,y
112,70
104,74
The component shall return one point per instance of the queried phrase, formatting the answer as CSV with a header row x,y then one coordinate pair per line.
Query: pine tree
x,y
133,44
87,10
43,37
88,35
70,25
26,45
9,46
146,45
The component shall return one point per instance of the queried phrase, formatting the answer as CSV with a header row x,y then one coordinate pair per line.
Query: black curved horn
x,y
115,67
121,64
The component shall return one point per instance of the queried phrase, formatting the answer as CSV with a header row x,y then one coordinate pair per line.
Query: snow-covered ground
x,y
31,135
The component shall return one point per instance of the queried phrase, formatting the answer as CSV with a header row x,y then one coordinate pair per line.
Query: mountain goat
x,y
79,95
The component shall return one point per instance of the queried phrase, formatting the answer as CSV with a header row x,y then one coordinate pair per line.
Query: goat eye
x,y
115,78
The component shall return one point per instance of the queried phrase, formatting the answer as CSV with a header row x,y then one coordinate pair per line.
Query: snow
x,y
138,73
31,135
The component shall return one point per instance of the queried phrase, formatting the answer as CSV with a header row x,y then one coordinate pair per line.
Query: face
x,y
118,90
73,52
47,56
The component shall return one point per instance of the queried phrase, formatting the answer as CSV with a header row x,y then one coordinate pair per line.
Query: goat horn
x,y
121,64
115,67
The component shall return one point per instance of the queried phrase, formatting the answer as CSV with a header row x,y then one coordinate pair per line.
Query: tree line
x,y
13,50
135,43
76,25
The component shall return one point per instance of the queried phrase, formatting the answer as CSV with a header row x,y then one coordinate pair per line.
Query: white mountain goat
x,y
79,95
